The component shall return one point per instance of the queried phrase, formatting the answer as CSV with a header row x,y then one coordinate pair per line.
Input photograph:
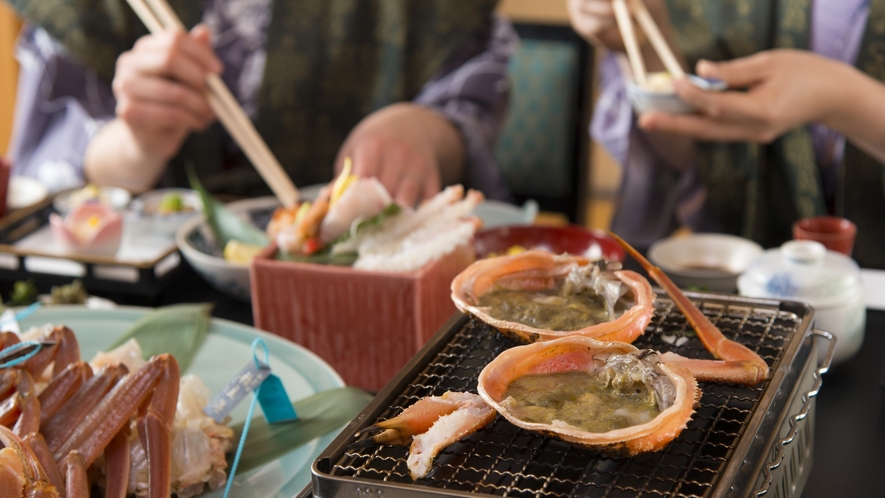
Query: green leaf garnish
x,y
178,330
225,225
317,415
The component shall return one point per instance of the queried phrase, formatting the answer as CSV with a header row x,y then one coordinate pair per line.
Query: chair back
x,y
543,147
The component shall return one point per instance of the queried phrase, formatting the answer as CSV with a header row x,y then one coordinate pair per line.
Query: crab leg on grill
x,y
432,424
737,363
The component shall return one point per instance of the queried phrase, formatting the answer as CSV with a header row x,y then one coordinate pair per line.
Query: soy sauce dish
x,y
658,93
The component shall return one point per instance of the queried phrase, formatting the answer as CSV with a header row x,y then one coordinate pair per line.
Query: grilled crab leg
x,y
737,362
432,424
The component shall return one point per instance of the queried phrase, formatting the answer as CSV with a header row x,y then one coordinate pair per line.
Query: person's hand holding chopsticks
x,y
160,87
595,21
781,90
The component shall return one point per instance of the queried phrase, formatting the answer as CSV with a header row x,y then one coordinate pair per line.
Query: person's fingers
x,y
738,73
407,189
719,105
156,115
173,55
366,159
432,185
167,92
201,50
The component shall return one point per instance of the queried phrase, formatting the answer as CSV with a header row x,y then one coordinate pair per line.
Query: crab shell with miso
x,y
673,386
538,270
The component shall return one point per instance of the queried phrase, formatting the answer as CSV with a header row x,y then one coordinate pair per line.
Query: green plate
x,y
225,351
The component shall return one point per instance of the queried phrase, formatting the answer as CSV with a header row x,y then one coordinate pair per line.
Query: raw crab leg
x,y
65,351
59,427
152,392
740,364
21,408
62,387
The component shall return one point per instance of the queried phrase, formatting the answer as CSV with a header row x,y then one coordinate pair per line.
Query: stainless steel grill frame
x,y
734,445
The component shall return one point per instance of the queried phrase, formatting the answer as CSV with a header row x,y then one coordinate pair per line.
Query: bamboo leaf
x,y
317,415
178,330
225,225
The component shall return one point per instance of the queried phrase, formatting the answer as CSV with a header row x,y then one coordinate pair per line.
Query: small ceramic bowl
x,y
804,270
708,262
663,98
594,244
149,206
117,198
198,246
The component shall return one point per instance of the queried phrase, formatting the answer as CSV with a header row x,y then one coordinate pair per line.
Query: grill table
x,y
735,438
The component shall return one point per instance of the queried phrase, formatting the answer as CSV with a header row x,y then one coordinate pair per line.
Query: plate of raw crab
x,y
577,377
118,437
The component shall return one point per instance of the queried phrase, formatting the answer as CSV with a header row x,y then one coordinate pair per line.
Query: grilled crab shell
x,y
534,270
577,353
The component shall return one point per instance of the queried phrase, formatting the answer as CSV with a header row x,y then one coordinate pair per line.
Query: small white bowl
x,y
198,247
710,262
646,100
146,207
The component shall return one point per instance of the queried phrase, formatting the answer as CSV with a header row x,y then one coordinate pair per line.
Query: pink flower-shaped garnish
x,y
90,228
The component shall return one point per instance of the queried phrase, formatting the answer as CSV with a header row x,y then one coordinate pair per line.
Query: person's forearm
x,y
114,158
858,113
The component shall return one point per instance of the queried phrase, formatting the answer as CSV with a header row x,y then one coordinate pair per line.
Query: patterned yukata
x,y
353,58
756,191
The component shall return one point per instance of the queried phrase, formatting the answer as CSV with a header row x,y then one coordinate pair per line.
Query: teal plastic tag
x,y
275,402
246,380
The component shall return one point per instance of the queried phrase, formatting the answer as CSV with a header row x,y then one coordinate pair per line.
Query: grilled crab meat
x,y
606,303
609,396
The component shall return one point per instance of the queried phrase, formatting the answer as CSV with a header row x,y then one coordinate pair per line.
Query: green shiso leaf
x,y
225,225
178,330
317,415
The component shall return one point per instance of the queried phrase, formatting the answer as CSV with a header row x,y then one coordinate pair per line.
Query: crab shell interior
x,y
533,269
578,353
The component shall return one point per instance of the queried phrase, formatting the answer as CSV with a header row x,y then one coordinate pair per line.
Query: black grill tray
x,y
721,452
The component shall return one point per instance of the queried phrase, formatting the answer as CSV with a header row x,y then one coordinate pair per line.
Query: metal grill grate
x,y
507,461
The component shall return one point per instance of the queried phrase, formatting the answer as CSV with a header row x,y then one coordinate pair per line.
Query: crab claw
x,y
20,472
740,364
416,419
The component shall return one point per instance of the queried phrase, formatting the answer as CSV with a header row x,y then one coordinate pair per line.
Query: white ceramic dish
x,y
117,198
24,192
146,207
645,100
710,262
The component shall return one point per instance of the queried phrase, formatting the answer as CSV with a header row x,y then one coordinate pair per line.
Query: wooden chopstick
x,y
648,25
625,25
158,16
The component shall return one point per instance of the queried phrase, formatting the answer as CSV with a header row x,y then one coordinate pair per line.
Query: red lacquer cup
x,y
836,234
5,169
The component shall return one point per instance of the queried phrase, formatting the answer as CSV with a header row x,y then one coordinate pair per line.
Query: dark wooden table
x,y
849,451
